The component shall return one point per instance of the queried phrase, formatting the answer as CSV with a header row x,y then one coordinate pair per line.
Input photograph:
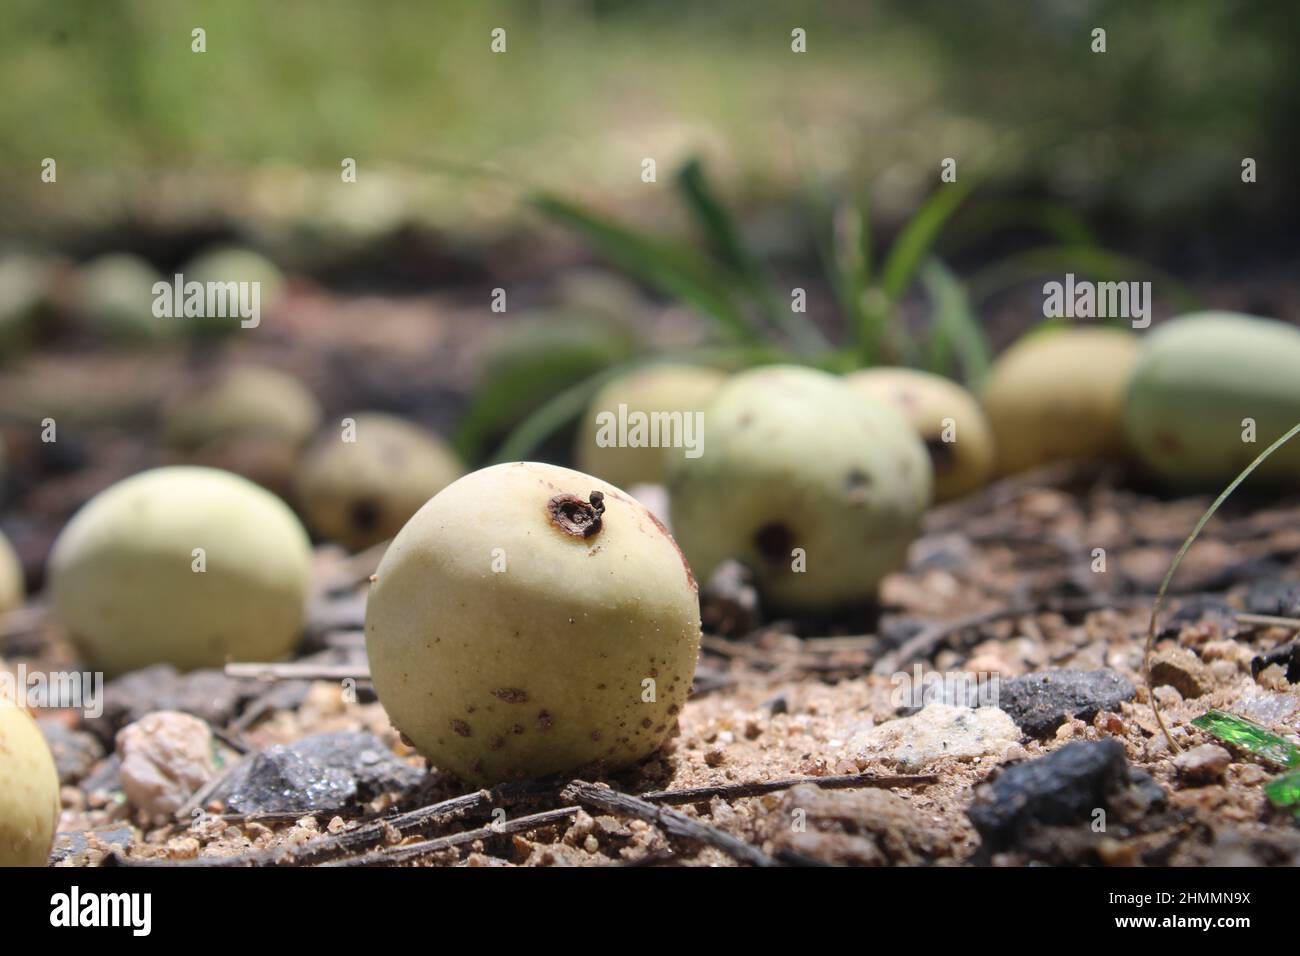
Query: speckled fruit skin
x,y
537,669
656,388
795,458
360,493
122,579
29,790
925,400
12,586
1058,395
1197,378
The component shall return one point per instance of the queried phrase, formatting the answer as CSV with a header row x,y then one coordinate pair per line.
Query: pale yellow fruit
x,y
360,483
181,565
244,401
660,396
947,418
29,790
1059,395
511,634
816,488
12,587
248,419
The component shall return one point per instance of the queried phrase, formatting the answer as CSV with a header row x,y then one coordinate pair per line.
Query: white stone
x,y
940,730
166,757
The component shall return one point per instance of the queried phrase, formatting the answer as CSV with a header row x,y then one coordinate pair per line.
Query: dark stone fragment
x,y
75,751
1064,788
1039,703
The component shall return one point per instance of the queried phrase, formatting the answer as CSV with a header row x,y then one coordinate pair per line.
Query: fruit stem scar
x,y
573,516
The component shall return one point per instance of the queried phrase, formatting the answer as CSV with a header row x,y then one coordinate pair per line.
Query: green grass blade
x,y
675,270
850,265
917,237
724,238
955,330
1250,736
1178,559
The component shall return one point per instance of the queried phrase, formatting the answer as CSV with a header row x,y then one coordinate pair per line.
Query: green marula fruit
x,y
360,484
29,790
1058,395
666,393
181,565
1199,378
531,620
947,418
815,487
227,264
114,295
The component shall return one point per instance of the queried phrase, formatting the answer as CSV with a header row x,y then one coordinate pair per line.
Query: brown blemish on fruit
x,y
856,484
495,743
774,542
595,735
646,723
1169,442
575,517
517,729
544,720
511,695
690,578
460,727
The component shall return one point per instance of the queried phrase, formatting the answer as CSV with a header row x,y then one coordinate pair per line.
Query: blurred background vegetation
x,y
1147,137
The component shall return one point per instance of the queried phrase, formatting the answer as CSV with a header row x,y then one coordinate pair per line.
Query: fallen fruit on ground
x,y
530,620
817,488
181,565
12,587
220,266
248,419
1201,382
113,296
946,416
29,790
635,422
1058,395
360,482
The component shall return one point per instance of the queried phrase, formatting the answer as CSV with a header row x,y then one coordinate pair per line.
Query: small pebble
x,y
166,757
1204,764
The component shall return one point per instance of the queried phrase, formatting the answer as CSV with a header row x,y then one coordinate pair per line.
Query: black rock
x,y
75,751
1065,788
277,780
376,768
1277,597
321,773
1039,703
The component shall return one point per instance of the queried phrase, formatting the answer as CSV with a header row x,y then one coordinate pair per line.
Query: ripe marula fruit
x,y
12,586
1197,379
665,388
29,790
360,492
530,620
797,459
113,295
931,403
248,419
1059,394
127,585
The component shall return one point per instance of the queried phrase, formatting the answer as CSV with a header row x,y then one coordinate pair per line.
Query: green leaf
x,y
1284,791
955,330
988,217
914,242
1250,736
850,266
674,269
724,237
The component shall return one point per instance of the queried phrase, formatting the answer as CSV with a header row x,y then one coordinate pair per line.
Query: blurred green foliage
x,y
1159,122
